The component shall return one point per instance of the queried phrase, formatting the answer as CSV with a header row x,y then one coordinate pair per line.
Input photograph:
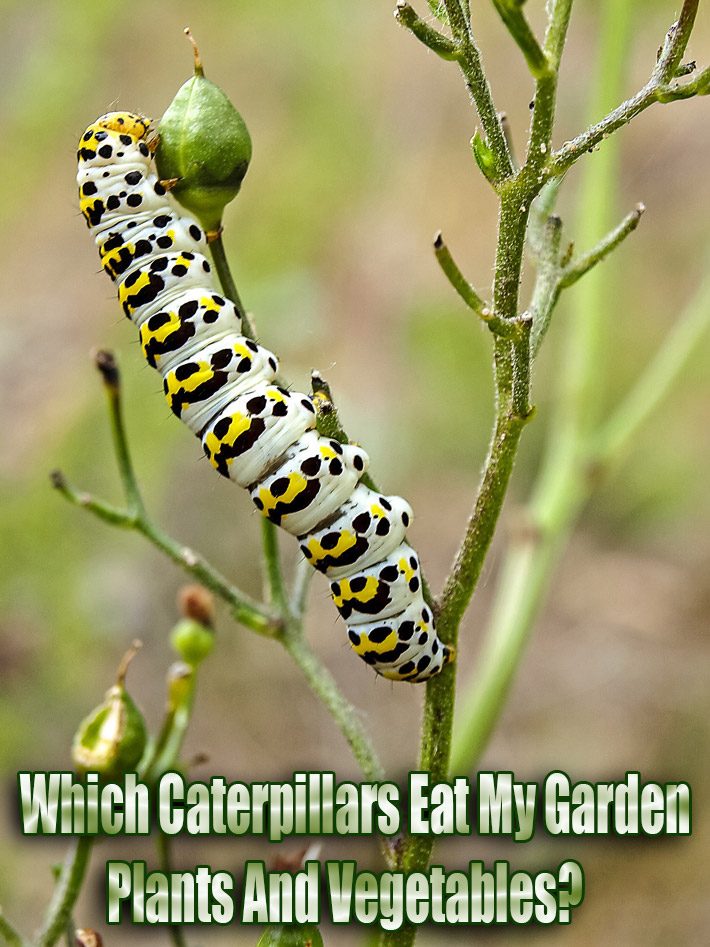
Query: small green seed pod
x,y
193,638
204,148
112,739
192,641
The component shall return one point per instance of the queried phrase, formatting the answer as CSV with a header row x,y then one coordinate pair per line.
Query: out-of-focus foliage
x,y
360,154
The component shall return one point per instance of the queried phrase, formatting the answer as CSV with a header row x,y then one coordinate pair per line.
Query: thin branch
x,y
407,17
227,283
106,364
479,533
542,208
582,264
677,40
545,100
466,291
346,716
244,609
657,89
66,891
698,86
511,13
469,60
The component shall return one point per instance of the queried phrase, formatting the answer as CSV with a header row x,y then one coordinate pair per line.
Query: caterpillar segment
x,y
256,433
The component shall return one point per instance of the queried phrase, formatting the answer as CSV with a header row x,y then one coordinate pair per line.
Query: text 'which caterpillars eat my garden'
x,y
256,433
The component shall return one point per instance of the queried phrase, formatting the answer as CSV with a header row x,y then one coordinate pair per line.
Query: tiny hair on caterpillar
x,y
253,431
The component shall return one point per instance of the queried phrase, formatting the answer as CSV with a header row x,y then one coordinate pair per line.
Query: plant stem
x,y
345,715
547,284
229,287
510,11
106,364
545,101
465,290
164,844
611,241
276,585
469,561
244,610
303,574
657,89
431,38
66,891
560,490
469,60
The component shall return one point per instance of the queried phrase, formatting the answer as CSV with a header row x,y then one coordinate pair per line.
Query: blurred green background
x,y
360,154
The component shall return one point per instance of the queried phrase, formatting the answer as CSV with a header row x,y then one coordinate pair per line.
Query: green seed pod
x,y
112,739
192,641
204,148
291,935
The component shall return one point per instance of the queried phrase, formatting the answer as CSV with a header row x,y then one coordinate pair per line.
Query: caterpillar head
x,y
125,123
110,135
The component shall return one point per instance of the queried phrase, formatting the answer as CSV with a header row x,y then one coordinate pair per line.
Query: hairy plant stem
x,y
66,892
469,60
558,495
659,88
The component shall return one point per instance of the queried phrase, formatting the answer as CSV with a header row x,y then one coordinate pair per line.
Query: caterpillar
x,y
262,436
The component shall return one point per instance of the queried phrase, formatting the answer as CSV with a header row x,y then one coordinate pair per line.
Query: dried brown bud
x,y
86,937
194,601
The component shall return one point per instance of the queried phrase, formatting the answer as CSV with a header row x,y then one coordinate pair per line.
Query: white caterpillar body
x,y
256,433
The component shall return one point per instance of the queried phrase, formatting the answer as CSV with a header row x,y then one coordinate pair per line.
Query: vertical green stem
x,y
469,60
274,574
226,280
563,485
165,845
66,891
